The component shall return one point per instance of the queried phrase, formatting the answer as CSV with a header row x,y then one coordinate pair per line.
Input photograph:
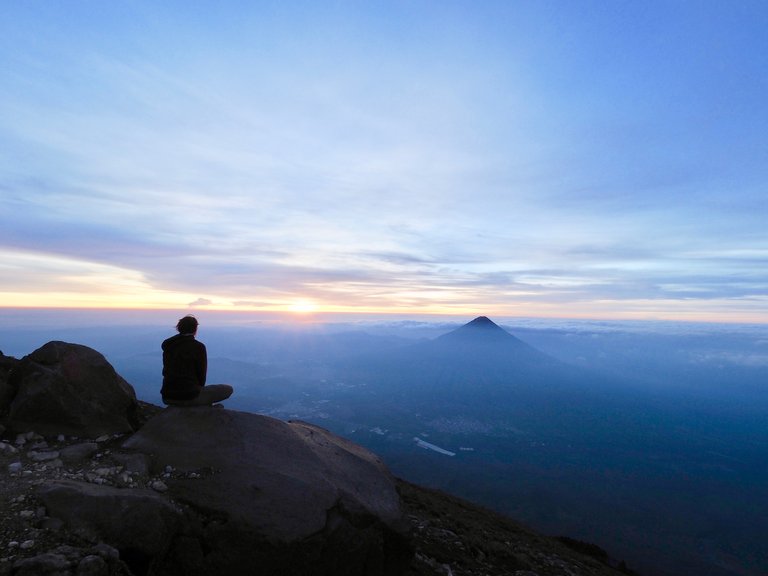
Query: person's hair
x,y
187,325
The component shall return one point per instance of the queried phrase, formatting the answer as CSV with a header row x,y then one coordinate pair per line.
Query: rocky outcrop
x,y
286,498
196,490
70,389
200,491
234,493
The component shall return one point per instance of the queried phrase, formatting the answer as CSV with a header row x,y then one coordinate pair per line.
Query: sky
x,y
516,158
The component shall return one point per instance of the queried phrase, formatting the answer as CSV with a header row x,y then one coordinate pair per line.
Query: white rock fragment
x,y
27,544
159,486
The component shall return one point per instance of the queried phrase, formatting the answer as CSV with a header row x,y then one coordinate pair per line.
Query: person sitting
x,y
185,365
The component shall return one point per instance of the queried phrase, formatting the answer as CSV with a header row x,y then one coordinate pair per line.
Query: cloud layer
x,y
520,158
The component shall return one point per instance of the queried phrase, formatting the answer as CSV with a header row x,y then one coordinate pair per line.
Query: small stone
x,y
27,544
47,563
13,544
42,456
92,566
26,514
103,438
77,452
159,486
106,551
14,467
60,438
8,448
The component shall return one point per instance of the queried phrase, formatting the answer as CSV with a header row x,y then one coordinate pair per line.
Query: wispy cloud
x,y
433,160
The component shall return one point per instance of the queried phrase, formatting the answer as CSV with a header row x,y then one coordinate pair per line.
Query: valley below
x,y
649,444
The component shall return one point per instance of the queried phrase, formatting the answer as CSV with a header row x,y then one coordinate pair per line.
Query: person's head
x,y
187,325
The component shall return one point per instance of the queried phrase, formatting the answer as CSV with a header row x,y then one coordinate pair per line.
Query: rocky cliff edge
x,y
95,483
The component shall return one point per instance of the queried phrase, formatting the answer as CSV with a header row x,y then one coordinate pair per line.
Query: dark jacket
x,y
185,363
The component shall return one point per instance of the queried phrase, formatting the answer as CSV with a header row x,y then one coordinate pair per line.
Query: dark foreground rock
x,y
280,497
71,389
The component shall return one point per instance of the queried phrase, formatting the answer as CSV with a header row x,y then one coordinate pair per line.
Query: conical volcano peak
x,y
483,337
482,322
481,328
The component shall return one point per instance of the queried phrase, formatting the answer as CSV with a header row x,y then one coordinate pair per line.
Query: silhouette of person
x,y
185,365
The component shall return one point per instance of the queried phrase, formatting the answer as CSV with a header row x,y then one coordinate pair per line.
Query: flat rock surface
x,y
282,478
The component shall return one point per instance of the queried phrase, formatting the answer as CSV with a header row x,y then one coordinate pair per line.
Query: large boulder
x,y
140,523
70,389
274,497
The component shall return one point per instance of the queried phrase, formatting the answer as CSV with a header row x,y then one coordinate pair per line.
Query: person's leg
x,y
213,393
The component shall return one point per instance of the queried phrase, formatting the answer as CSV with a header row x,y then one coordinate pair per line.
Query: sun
x,y
303,307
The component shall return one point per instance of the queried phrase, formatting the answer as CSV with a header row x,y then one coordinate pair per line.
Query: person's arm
x,y
202,366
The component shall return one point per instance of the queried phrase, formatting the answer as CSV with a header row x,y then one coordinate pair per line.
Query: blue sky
x,y
591,159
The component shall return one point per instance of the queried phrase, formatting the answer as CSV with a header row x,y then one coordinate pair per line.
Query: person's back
x,y
185,365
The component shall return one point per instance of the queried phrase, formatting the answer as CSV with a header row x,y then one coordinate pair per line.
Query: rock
x,y
134,463
138,520
42,456
8,448
92,566
78,452
274,497
70,389
47,563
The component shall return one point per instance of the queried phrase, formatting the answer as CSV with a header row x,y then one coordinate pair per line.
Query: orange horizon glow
x,y
308,310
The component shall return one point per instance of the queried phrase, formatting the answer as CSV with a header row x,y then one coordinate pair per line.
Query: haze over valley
x,y
646,438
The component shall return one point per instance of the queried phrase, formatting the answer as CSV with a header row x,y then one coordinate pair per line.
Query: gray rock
x,y
288,498
92,566
47,563
78,452
139,520
70,389
135,463
42,456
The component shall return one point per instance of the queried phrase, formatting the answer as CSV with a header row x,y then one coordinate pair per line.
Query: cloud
x,y
458,165
200,302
